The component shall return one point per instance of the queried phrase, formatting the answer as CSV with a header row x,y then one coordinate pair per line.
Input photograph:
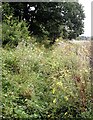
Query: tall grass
x,y
46,84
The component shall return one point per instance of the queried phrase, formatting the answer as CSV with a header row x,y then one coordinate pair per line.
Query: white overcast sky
x,y
87,21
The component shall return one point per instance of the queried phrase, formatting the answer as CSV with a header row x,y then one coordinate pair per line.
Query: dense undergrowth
x,y
46,84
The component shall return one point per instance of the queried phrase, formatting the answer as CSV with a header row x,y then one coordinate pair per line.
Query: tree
x,y
53,19
13,30
73,19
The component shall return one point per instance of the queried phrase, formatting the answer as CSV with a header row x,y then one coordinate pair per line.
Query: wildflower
x,y
53,90
57,40
60,83
54,101
48,116
65,113
66,98
86,70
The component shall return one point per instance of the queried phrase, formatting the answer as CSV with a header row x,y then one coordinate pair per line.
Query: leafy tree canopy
x,y
53,19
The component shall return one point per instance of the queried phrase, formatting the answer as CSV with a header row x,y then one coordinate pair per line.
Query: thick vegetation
x,y
46,84
40,82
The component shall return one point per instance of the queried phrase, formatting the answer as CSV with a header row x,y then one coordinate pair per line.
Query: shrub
x,y
14,32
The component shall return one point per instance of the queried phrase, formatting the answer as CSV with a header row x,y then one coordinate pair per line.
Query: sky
x,y
87,21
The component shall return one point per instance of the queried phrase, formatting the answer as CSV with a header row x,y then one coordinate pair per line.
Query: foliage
x,y
45,84
14,32
40,83
53,19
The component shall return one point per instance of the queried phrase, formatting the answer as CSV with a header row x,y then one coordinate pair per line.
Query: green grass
x,y
46,84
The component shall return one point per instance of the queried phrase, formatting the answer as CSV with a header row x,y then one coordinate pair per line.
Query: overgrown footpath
x,y
46,84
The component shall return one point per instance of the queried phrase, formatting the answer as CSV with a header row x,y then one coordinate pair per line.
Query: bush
x,y
14,32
